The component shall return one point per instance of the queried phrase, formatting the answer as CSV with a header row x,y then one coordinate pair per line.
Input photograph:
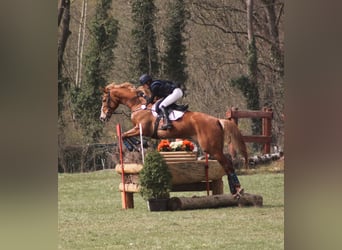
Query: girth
x,y
155,129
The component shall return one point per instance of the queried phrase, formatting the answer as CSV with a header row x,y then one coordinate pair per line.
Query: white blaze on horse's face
x,y
103,114
104,109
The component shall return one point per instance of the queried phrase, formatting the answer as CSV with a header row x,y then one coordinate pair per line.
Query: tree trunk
x,y
60,10
274,34
250,31
214,201
80,44
252,55
64,33
253,99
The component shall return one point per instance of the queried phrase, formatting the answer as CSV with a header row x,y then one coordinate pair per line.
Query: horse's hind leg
x,y
233,181
215,149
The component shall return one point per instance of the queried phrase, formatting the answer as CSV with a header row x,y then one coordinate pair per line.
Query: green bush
x,y
155,177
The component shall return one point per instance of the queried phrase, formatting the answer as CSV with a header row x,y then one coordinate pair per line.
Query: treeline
x,y
227,53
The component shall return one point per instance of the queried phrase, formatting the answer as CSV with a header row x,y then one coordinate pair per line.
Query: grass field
x,y
90,217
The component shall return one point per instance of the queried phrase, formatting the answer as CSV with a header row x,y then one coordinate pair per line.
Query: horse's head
x,y
113,95
109,104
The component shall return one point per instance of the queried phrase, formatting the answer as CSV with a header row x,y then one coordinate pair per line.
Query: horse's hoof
x,y
238,194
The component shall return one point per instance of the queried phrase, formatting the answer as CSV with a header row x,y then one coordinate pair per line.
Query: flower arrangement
x,y
184,145
164,145
188,145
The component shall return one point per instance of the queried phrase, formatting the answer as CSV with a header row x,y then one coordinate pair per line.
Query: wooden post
x,y
206,168
128,197
217,186
233,111
231,115
118,131
267,130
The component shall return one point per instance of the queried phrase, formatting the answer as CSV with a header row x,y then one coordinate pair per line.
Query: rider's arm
x,y
149,99
154,88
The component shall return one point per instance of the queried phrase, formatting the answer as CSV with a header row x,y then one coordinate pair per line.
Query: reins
x,y
141,109
121,113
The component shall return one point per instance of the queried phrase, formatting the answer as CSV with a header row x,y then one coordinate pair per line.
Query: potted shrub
x,y
155,181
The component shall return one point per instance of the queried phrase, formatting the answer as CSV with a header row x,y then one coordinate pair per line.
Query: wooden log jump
x,y
214,201
266,115
193,183
188,175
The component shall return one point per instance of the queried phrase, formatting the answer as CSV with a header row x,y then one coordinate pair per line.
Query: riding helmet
x,y
145,78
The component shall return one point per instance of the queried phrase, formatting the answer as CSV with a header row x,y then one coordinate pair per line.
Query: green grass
x,y
91,217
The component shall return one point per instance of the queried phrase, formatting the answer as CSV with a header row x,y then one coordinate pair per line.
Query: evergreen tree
x,y
249,84
98,62
249,88
144,51
175,59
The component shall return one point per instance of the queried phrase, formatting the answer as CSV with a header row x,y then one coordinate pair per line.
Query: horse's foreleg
x,y
132,132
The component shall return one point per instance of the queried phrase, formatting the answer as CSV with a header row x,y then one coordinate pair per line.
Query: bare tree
x,y
64,33
80,43
63,24
272,22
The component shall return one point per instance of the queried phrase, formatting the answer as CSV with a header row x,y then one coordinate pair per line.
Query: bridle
x,y
110,111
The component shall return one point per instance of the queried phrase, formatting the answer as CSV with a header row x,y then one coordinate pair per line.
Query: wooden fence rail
x,y
266,115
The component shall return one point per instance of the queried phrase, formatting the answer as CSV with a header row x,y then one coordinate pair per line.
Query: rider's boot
x,y
234,185
167,123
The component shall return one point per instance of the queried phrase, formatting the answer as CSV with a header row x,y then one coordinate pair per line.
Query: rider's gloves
x,y
143,106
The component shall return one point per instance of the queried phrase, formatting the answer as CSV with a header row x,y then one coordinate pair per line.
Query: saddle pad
x,y
173,114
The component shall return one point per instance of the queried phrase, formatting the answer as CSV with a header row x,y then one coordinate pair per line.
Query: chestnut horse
x,y
210,132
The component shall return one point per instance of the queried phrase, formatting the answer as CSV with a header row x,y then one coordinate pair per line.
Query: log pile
x,y
264,159
214,201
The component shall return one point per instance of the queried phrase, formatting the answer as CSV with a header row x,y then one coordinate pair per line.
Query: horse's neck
x,y
131,102
133,105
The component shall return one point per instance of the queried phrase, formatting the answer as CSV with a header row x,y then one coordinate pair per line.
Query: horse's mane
x,y
122,85
126,85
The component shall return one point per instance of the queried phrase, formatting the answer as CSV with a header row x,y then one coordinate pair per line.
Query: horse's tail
x,y
234,137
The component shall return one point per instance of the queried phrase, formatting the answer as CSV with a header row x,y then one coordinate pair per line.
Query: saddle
x,y
176,111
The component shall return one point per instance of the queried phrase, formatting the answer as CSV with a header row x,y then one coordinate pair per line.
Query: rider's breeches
x,y
172,98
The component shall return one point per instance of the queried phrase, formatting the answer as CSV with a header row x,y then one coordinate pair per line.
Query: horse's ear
x,y
144,90
102,89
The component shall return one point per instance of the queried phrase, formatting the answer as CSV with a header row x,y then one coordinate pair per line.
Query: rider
x,y
161,89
